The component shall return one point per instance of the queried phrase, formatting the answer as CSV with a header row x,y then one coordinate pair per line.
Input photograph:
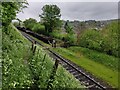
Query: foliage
x,y
35,26
15,72
39,28
105,40
51,17
21,69
68,28
10,9
69,39
29,23
42,67
58,34
90,39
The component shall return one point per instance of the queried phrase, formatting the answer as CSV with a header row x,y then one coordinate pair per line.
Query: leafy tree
x,y
80,28
51,17
68,28
29,23
10,9
38,28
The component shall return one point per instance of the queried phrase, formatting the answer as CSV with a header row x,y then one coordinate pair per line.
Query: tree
x,y
10,9
29,23
80,28
68,28
50,17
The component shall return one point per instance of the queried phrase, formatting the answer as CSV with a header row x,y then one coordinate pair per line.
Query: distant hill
x,y
89,24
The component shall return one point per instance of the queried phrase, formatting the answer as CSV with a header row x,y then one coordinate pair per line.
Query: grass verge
x,y
96,68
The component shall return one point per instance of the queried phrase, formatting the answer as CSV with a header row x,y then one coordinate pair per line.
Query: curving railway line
x,y
86,79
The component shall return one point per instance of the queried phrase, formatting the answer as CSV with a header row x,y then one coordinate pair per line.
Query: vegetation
x,y
104,59
92,65
69,39
35,26
29,23
105,40
22,69
39,28
20,66
16,73
10,9
50,17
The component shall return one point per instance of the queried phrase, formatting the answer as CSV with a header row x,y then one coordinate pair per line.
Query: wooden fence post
x,y
34,47
52,76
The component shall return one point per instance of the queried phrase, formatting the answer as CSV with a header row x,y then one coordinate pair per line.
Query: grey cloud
x,y
75,10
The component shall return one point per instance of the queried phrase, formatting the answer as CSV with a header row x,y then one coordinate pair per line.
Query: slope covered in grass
x,y
16,73
20,66
98,68
107,60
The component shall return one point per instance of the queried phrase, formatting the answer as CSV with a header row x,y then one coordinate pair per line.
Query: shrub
x,y
39,28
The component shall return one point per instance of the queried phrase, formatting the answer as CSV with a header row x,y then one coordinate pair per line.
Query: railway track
x,y
78,73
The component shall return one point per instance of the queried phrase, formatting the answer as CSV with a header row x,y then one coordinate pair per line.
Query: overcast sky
x,y
74,10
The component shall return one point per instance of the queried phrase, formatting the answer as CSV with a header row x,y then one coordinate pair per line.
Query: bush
x,y
39,28
90,39
58,34
70,39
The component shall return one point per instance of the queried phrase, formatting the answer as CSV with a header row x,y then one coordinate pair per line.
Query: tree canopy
x,y
29,23
50,17
10,9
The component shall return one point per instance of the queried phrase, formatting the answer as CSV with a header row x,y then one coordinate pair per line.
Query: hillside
x,y
20,66
90,24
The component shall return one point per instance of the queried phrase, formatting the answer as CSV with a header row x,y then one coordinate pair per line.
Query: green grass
x,y
19,65
107,60
96,68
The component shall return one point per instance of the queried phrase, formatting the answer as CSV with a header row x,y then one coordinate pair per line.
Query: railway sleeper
x,y
62,63
71,70
91,86
77,75
82,78
75,72
67,67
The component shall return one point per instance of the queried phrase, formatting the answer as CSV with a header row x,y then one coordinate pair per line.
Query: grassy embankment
x,y
99,64
20,66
